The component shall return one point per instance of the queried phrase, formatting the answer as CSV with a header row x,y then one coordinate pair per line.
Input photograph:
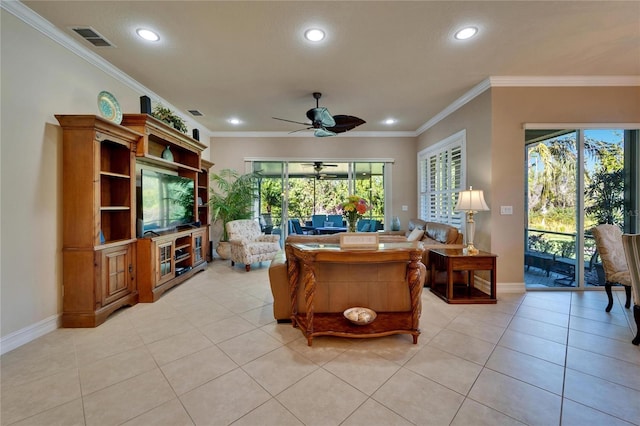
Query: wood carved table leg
x,y
293,270
415,270
309,278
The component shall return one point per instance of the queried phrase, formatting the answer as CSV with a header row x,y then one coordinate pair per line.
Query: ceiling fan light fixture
x,y
314,34
466,33
234,121
390,121
147,34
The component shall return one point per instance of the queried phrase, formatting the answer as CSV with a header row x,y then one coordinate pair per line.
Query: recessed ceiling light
x,y
390,121
234,121
466,33
314,34
147,34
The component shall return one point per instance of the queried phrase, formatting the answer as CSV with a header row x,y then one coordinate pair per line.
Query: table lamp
x,y
471,201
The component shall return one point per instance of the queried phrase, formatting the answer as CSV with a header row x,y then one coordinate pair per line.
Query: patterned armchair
x,y
631,244
248,244
608,240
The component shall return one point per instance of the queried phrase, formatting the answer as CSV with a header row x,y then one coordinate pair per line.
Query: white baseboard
x,y
484,285
27,334
511,288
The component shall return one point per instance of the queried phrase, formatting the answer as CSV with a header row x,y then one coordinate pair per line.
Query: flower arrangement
x,y
353,209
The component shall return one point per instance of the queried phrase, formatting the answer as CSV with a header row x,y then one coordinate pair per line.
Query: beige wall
x,y
495,151
231,153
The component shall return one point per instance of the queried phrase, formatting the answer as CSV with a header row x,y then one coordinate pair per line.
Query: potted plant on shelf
x,y
169,117
232,198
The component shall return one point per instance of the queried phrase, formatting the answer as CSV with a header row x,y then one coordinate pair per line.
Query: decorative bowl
x,y
360,316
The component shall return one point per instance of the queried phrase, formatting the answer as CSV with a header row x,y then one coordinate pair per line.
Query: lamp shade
x,y
471,200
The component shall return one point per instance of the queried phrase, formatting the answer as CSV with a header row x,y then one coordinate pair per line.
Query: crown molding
x,y
389,134
530,81
37,22
455,105
565,81
31,18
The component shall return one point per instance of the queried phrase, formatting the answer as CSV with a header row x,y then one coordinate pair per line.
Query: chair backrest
x,y
243,229
266,223
608,240
317,220
367,225
296,228
631,245
336,219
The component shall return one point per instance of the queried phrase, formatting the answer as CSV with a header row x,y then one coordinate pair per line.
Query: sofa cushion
x,y
443,233
415,235
415,223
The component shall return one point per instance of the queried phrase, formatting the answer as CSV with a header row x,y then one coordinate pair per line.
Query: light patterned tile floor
x,y
209,353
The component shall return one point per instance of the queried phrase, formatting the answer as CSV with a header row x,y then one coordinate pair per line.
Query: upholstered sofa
x,y
433,235
392,278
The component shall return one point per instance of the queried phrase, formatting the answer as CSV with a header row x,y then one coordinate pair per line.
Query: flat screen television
x,y
165,201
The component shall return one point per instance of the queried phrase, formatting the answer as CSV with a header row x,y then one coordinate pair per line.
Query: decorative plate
x,y
109,107
360,316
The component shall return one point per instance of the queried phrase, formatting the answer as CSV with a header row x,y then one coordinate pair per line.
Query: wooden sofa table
x,y
451,260
307,262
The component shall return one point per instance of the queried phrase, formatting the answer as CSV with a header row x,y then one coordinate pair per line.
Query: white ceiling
x,y
380,59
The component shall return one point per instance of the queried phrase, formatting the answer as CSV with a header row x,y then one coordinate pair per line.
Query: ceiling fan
x,y
324,123
317,167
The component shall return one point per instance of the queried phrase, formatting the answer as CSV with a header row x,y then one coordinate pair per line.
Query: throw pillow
x,y
365,228
415,235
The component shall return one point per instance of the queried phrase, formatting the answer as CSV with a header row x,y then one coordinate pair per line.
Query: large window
x,y
302,189
441,177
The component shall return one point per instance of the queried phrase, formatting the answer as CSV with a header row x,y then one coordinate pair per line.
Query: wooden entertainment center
x,y
106,265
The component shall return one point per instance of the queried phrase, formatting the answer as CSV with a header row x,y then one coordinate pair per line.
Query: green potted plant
x,y
167,116
232,198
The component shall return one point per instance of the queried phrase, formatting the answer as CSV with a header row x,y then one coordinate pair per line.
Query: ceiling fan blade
x,y
291,121
322,133
321,117
345,123
301,130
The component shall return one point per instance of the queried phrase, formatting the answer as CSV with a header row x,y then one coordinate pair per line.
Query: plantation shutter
x,y
442,176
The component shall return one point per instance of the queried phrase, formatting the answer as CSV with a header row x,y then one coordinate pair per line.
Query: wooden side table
x,y
451,260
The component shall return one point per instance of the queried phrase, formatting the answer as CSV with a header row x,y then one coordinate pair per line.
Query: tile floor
x,y
209,353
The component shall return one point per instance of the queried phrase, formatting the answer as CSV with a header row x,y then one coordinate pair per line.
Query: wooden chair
x,y
631,245
608,240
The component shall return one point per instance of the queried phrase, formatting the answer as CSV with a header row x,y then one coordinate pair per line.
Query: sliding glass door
x,y
576,179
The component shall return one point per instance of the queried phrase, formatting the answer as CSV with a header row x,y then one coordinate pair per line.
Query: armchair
x,y
248,244
608,240
631,244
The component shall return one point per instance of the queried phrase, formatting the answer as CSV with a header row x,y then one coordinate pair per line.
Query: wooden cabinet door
x,y
197,244
165,262
117,273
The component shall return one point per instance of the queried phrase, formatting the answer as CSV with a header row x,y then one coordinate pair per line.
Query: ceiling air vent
x,y
195,113
92,36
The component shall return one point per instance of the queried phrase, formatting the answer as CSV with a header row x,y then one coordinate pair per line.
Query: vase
x,y
224,250
351,224
167,154
395,223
